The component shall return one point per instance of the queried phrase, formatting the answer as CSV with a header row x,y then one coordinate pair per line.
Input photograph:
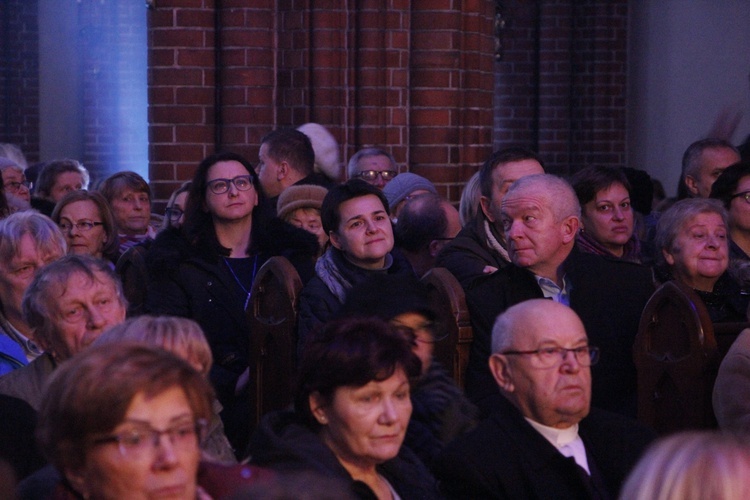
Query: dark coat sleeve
x,y
316,306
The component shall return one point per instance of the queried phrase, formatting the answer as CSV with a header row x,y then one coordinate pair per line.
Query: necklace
x,y
252,279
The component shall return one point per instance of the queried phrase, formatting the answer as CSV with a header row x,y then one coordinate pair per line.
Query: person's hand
x,y
489,269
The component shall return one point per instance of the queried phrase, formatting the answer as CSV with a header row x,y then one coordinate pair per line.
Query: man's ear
x,y
485,203
501,372
692,184
282,170
435,247
570,229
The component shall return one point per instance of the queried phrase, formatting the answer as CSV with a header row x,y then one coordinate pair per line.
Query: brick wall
x,y
561,83
19,76
415,78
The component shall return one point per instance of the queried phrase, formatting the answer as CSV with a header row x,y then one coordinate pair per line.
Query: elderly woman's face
x,y
608,218
153,453
82,240
700,252
365,426
132,211
13,179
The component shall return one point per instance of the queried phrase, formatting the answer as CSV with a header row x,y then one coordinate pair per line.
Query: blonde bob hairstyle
x,y
692,466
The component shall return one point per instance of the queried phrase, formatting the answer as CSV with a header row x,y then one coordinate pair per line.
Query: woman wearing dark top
x,y
205,270
693,244
607,219
352,408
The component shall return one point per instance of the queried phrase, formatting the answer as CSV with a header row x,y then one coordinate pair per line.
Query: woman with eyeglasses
x,y
16,188
129,423
205,270
732,188
174,215
440,411
88,224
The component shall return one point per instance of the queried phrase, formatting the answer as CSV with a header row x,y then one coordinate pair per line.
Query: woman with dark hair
x,y
732,188
607,222
440,412
205,270
352,408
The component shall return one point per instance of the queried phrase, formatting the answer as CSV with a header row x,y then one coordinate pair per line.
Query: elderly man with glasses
x,y
544,440
373,165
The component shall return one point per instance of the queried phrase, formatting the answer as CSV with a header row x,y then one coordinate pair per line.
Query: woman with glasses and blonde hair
x,y
127,423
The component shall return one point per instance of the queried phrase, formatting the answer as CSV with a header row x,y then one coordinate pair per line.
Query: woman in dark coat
x,y
352,408
205,270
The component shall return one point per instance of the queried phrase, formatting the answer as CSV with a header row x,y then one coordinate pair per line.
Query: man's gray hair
x,y
673,221
47,237
352,169
38,305
558,194
691,164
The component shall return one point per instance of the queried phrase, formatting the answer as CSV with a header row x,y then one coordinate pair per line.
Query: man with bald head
x,y
543,440
540,215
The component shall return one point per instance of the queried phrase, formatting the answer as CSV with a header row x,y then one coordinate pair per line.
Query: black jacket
x,y
468,254
506,458
607,294
281,443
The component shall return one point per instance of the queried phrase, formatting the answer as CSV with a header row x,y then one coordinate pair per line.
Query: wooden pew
x,y
448,301
677,357
273,316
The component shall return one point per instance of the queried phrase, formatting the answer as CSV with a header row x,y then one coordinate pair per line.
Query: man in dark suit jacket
x,y
541,218
542,441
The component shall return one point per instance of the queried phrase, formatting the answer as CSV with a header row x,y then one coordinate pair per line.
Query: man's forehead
x,y
514,170
80,281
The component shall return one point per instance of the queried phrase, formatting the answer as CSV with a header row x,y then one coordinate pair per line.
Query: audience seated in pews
x,y
541,216
88,224
68,305
28,241
440,411
607,218
692,466
480,247
355,216
352,408
425,224
692,237
543,439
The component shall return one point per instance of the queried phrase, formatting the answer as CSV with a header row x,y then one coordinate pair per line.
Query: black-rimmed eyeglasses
x,y
221,186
